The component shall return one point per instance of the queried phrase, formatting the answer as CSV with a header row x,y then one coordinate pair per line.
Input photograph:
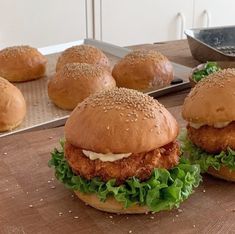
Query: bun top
x,y
21,63
120,121
212,100
12,106
76,81
143,55
143,69
82,54
18,51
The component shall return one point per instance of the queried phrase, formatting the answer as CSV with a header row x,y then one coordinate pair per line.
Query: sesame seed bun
x,y
21,63
142,70
83,54
224,173
120,121
110,205
212,100
12,106
76,81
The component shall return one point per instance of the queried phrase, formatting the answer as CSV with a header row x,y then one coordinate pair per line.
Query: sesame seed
x,y
15,51
53,187
76,217
30,206
82,54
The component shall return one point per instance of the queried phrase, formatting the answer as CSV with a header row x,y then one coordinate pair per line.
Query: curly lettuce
x,y
164,190
204,159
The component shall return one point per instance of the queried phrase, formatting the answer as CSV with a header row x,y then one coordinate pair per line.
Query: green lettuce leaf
x,y
204,159
164,190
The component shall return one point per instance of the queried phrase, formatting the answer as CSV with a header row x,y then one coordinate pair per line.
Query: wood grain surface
x,y
32,201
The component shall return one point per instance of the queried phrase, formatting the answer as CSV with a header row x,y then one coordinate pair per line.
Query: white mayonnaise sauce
x,y
216,125
105,157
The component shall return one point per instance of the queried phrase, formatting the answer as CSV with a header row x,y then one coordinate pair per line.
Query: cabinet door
x,y
41,23
126,22
214,13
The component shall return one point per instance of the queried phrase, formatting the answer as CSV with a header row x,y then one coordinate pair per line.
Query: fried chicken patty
x,y
139,165
213,140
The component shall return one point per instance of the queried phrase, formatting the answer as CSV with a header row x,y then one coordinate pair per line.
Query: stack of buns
x,y
80,71
17,64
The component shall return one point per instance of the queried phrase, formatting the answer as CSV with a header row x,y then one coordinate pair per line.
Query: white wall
x,y
42,22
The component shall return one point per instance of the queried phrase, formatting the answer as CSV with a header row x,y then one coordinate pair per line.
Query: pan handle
x,y
182,24
207,15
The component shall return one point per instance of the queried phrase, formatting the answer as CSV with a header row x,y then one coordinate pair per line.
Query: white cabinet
x,y
122,22
128,22
214,13
42,23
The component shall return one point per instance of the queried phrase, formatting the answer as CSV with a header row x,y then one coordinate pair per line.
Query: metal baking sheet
x,y
212,44
42,113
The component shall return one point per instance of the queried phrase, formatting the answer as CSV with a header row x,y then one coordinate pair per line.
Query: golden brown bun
x,y
143,69
120,121
12,106
224,173
22,63
76,81
83,54
212,100
110,205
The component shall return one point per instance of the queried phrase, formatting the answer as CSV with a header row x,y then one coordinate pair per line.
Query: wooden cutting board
x,y
32,201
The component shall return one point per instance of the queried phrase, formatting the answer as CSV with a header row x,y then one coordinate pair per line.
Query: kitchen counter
x,y
32,201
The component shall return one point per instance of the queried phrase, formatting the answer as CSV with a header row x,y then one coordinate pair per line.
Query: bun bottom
x,y
110,205
224,173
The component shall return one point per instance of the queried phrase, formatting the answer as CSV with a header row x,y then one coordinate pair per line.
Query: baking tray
x,y
212,44
42,113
